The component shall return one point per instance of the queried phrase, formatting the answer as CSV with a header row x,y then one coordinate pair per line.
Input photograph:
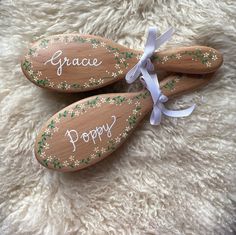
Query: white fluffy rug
x,y
177,178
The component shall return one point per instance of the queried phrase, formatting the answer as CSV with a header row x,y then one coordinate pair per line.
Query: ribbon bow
x,y
146,68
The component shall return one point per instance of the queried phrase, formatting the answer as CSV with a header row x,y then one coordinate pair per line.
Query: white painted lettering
x,y
59,61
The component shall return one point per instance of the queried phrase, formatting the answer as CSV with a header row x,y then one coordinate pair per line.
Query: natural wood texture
x,y
74,63
91,129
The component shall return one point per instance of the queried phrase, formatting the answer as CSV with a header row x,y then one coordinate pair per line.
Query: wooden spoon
x,y
76,63
91,129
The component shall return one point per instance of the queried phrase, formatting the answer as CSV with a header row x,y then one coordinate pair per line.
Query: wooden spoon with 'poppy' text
x,y
89,130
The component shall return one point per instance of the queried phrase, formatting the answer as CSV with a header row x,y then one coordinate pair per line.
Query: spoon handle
x,y
191,60
176,85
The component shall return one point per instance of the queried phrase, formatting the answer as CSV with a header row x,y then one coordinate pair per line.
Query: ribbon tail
x,y
150,80
150,45
164,37
155,118
177,113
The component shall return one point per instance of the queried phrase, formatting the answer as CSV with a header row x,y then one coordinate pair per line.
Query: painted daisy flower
x,y
35,54
43,155
72,158
66,163
103,150
31,72
86,85
129,101
208,64
205,55
71,38
92,80
100,81
51,84
46,146
122,60
127,128
117,66
165,58
56,129
103,100
94,45
77,113
138,57
93,156
137,103
98,104
116,54
117,139
47,131
120,71
49,158
178,56
135,111
103,44
59,86
114,75
67,86
214,57
177,79
57,120
77,162
96,149
82,106
124,134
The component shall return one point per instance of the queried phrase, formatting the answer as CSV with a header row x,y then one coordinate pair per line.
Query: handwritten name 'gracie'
x,y
92,135
58,60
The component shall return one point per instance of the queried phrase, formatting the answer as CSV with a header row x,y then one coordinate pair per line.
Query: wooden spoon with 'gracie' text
x,y
77,63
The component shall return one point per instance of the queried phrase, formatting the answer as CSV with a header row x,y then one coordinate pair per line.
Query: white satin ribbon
x,y
145,68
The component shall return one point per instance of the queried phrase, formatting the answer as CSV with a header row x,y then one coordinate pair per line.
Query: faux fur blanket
x,y
176,178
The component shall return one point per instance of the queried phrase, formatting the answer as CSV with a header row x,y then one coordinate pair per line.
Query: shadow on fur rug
x,y
176,178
